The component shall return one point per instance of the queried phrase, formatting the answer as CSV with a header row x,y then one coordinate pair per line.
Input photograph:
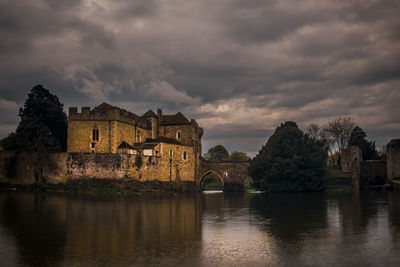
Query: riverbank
x,y
104,186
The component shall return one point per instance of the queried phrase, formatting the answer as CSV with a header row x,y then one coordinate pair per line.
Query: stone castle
x,y
171,144
108,144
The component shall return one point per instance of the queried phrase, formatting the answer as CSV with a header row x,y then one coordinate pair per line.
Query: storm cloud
x,y
239,68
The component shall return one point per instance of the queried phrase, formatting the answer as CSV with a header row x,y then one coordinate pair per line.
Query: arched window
x,y
184,155
95,135
178,135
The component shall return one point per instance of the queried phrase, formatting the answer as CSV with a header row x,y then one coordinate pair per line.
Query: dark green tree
x,y
238,156
290,161
43,126
217,153
368,149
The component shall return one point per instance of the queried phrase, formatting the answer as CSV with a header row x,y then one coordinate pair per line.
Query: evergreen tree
x,y
43,126
358,138
289,161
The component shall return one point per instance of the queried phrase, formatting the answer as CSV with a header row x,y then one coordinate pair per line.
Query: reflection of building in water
x,y
394,217
51,229
114,231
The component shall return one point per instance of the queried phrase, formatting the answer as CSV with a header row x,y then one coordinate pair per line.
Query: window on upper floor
x,y
184,155
95,135
178,135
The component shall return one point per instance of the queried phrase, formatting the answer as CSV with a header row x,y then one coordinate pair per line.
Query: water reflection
x,y
149,230
201,229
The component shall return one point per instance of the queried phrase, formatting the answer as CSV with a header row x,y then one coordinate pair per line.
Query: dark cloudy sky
x,y
239,68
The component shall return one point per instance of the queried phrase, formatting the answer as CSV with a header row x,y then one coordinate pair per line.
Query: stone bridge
x,y
233,174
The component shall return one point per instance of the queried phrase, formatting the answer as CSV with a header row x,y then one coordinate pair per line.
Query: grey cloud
x,y
240,67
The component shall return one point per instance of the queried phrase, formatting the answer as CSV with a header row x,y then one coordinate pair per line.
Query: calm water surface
x,y
212,229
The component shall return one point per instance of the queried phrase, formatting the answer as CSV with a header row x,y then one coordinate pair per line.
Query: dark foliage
x,y
358,138
290,161
43,126
238,156
217,153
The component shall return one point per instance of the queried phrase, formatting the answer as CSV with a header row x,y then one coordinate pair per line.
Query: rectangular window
x,y
184,155
171,153
93,145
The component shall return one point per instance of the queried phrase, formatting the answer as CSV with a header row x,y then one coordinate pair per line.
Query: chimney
x,y
159,115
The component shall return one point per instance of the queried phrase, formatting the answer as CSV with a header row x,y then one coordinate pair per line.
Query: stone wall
x,y
33,168
60,168
372,172
232,173
80,136
351,158
393,159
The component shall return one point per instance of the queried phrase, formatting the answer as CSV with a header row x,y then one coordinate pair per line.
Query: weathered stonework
x,y
115,125
233,174
393,159
351,158
372,172
112,144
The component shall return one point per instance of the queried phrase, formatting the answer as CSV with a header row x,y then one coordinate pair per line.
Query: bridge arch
x,y
207,173
233,174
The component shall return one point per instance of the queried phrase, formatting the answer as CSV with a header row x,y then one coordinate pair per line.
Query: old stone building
x,y
170,145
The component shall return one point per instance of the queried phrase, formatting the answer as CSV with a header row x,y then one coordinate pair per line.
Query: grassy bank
x,y
105,186
338,181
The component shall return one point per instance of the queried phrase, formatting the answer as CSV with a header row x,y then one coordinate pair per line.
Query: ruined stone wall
x,y
351,158
372,172
393,159
31,168
54,168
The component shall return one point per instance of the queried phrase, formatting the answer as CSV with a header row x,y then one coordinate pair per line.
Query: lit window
x,y
178,135
184,155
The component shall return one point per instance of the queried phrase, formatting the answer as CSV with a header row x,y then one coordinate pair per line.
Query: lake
x,y
203,229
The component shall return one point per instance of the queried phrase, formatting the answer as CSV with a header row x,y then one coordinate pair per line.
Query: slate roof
x,y
149,114
125,145
163,140
176,119
139,146
104,105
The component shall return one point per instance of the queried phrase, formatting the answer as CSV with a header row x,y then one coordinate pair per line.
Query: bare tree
x,y
313,130
338,132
